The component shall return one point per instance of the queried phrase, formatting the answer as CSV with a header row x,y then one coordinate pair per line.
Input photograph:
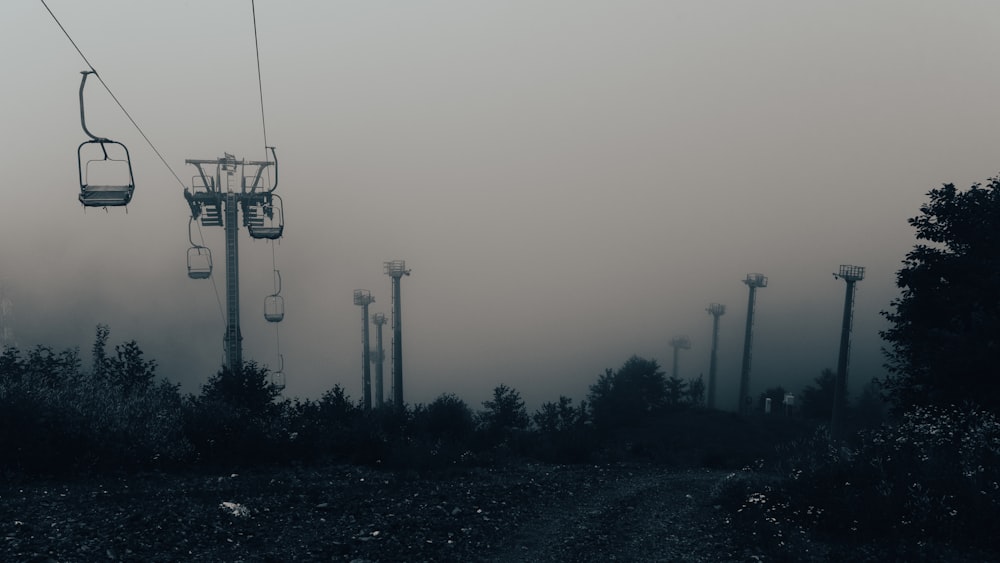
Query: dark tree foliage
x,y
237,416
503,416
696,391
247,389
628,396
944,334
447,418
563,431
677,391
127,369
56,417
816,401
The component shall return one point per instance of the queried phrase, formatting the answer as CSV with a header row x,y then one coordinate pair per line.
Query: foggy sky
x,y
571,182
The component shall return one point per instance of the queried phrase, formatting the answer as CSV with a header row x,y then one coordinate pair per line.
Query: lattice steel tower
x,y
753,281
396,269
851,275
363,298
716,310
378,358
217,204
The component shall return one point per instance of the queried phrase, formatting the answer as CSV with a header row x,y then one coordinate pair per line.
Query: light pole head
x,y
363,297
716,309
379,319
396,268
681,342
756,280
850,273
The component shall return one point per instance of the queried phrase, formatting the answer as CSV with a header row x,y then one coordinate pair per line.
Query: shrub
x,y
933,476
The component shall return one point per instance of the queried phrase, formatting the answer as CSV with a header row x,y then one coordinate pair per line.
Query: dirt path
x,y
639,515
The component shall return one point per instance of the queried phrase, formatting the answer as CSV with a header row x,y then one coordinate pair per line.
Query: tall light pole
x,y
364,298
753,281
716,310
396,269
679,343
851,275
378,319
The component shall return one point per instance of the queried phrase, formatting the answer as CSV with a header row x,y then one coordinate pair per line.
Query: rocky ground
x,y
346,513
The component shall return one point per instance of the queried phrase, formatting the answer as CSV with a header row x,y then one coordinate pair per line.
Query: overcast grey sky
x,y
571,182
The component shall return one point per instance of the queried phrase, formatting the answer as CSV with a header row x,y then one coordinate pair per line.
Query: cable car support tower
x,y
217,204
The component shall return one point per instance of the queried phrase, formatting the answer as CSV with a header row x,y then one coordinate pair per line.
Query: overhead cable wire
x,y
211,276
263,125
260,82
113,97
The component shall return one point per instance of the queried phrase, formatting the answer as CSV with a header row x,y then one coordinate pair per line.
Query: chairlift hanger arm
x,y
261,165
83,119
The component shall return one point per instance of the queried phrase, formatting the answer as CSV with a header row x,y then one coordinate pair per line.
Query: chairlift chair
x,y
267,220
105,180
274,304
199,258
278,377
199,261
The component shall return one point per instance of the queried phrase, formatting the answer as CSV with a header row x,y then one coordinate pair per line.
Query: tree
x,y
504,416
449,418
696,391
628,396
248,390
944,334
554,418
817,400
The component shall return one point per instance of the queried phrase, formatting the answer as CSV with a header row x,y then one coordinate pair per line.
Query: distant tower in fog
x,y
851,275
396,269
679,343
753,281
364,298
6,320
716,310
378,358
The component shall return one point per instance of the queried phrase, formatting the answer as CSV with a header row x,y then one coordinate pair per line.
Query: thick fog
x,y
571,182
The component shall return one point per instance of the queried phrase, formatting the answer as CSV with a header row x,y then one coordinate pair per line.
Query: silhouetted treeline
x,y
56,416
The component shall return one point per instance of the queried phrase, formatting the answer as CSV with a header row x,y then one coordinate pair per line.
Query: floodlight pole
x,y
753,281
678,343
396,269
364,298
851,275
716,310
378,319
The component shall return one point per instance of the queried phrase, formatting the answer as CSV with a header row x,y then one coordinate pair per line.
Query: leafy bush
x,y
933,476
54,417
564,432
630,396
237,417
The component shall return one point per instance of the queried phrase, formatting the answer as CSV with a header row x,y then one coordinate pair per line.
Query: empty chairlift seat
x,y
199,262
266,221
105,181
274,308
104,166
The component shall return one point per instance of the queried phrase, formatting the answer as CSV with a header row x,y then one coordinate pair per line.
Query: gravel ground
x,y
345,513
